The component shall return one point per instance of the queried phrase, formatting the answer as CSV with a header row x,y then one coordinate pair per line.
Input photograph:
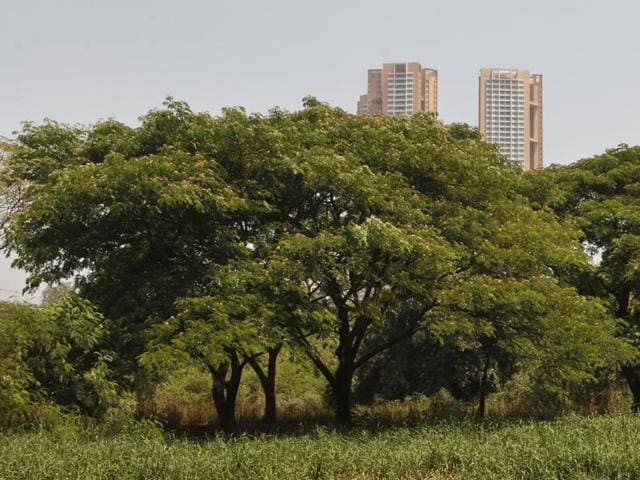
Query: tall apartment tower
x,y
511,114
400,89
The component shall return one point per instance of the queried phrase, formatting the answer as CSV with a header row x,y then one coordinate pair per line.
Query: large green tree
x,y
601,195
141,217
135,224
358,226
443,212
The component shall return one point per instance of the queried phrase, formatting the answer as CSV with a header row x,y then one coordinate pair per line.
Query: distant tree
x,y
555,335
53,293
550,334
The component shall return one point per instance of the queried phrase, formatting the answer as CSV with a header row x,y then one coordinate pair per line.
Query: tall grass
x,y
572,447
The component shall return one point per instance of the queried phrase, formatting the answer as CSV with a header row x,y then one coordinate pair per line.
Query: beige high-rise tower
x,y
400,89
511,114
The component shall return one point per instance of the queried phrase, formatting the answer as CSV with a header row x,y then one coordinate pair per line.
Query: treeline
x,y
397,255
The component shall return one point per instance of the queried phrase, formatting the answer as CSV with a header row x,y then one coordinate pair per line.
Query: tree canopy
x,y
219,238
600,195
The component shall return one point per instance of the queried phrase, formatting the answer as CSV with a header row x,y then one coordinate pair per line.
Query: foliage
x,y
218,239
556,336
600,195
11,197
507,327
54,293
232,316
54,355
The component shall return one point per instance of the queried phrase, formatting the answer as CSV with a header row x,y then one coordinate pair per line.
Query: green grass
x,y
605,447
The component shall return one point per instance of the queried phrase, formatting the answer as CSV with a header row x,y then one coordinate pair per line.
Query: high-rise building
x,y
363,104
511,114
400,89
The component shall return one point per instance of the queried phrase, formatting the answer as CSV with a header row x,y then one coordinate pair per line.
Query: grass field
x,y
605,447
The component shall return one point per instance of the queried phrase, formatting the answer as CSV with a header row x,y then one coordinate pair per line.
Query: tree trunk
x,y
482,403
225,391
270,407
268,383
341,389
632,375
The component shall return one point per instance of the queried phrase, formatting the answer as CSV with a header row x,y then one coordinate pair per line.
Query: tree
x,y
382,227
600,195
358,227
135,233
223,330
433,193
535,326
139,216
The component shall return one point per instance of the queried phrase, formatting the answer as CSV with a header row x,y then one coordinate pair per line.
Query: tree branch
x,y
314,356
413,328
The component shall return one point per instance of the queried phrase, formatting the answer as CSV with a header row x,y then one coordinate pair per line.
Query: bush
x,y
52,355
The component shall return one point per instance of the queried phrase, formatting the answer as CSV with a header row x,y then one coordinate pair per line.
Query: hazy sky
x,y
83,60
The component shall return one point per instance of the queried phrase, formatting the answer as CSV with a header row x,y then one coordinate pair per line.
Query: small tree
x,y
558,337
352,282
223,331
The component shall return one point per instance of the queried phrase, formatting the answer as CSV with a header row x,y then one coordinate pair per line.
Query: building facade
x,y
400,89
511,114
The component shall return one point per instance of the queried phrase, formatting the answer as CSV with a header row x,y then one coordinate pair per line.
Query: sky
x,y
79,61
